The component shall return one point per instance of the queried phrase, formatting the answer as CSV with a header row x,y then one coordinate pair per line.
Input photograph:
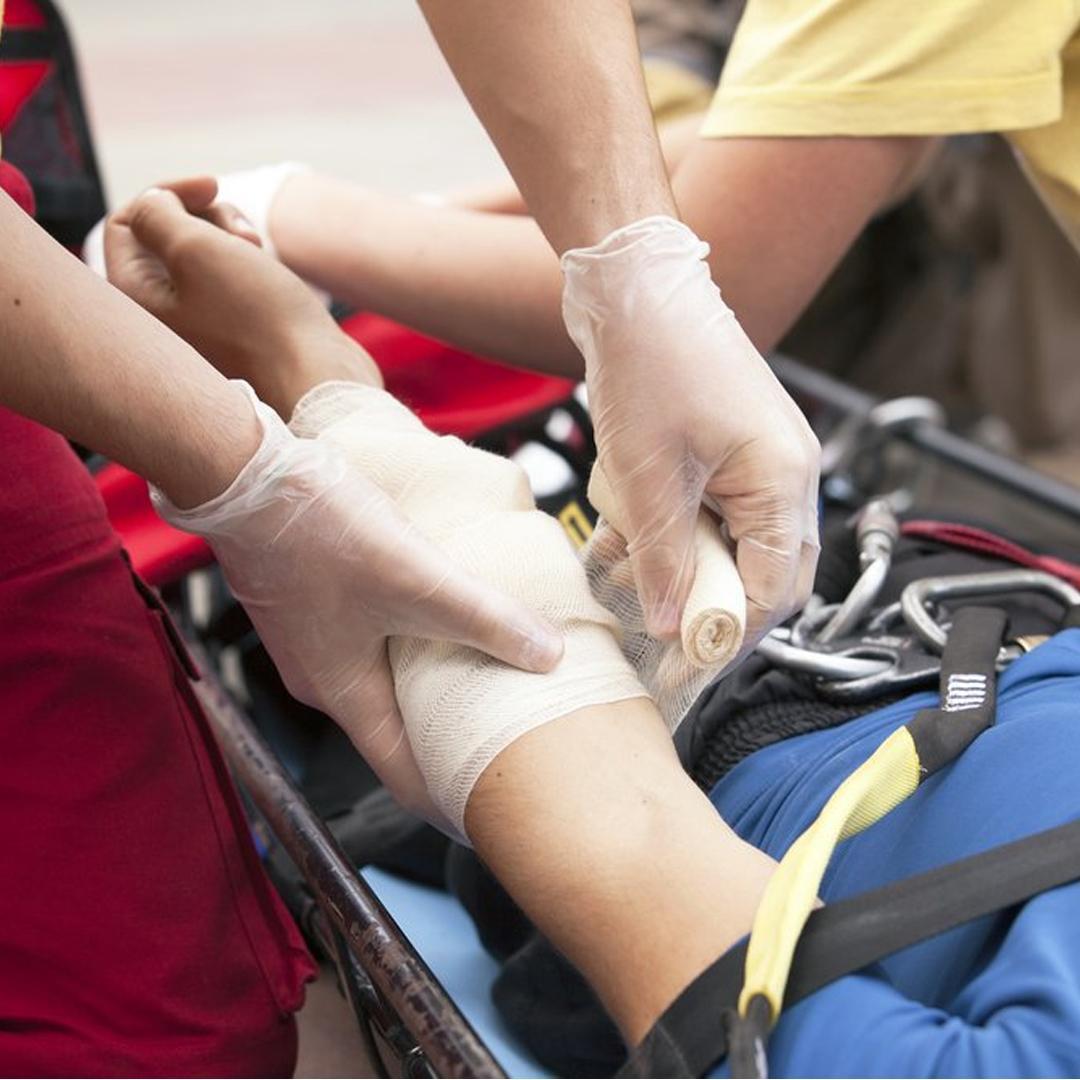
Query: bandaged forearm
x,y
462,708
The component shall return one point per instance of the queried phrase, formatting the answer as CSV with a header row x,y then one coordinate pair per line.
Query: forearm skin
x,y
81,358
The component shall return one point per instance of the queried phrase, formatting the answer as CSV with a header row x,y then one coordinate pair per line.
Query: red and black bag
x,y
43,128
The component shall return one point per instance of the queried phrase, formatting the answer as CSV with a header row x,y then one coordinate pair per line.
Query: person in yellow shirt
x,y
877,68
825,114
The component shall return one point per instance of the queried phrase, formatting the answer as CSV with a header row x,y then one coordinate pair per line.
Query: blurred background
x,y
966,292
354,88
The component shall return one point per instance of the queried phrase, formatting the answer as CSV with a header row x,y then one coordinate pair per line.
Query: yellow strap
x,y
882,782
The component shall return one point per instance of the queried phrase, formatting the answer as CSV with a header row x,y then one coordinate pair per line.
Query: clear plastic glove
x,y
686,411
328,568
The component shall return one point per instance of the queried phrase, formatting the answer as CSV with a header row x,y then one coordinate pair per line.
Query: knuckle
x,y
793,460
138,214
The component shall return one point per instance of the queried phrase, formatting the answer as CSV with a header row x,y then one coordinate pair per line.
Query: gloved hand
x,y
327,569
686,411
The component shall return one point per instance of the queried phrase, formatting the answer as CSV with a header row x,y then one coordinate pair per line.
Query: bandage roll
x,y
461,708
714,619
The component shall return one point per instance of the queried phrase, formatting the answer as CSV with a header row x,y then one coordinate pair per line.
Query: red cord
x,y
972,539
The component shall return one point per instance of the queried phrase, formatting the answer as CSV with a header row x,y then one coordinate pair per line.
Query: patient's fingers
x,y
226,216
132,268
159,221
197,193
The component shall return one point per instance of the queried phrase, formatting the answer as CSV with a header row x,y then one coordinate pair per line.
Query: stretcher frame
x,y
410,1025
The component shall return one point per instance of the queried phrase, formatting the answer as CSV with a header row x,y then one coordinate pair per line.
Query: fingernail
x,y
155,191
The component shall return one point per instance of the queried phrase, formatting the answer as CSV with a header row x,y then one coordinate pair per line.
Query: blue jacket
x,y
997,997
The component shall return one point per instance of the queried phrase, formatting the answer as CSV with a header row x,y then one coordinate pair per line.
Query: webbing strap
x,y
881,783
691,1036
888,777
968,689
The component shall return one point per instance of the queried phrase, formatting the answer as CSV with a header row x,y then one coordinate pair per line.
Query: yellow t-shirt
x,y
914,67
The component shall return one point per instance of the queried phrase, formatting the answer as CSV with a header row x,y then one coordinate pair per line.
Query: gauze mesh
x,y
460,707
714,619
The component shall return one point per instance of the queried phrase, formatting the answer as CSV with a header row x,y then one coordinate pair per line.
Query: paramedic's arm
x,y
560,89
558,85
81,358
778,215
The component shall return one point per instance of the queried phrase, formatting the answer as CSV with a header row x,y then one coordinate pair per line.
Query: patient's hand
x,y
208,281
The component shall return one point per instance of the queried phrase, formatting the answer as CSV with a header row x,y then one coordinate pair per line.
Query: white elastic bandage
x,y
252,192
714,619
462,708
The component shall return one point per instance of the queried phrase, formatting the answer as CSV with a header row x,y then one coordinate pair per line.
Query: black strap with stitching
x,y
691,1036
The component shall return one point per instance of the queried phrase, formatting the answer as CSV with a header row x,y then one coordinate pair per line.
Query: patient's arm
x,y
778,215
593,827
584,812
587,819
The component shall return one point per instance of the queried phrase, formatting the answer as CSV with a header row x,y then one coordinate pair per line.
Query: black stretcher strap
x,y
934,738
842,938
968,689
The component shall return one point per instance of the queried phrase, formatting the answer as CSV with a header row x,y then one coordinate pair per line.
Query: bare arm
x,y
488,283
778,214
559,87
628,869
80,357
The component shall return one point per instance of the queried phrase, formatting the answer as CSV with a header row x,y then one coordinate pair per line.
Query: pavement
x,y
355,89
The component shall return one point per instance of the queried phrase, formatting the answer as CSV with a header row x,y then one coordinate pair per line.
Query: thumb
x,y
464,609
159,221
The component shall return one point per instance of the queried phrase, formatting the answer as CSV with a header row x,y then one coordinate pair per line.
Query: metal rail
x,y
805,382
395,969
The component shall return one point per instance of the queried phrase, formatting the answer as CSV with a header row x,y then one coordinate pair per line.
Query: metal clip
x,y
914,599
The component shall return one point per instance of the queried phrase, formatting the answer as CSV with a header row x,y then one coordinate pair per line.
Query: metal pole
x,y
1036,486
395,968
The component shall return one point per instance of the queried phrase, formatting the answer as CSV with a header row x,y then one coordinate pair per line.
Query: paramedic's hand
x,y
686,410
197,267
327,568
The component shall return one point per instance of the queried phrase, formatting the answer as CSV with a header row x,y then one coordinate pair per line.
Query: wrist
x,y
307,361
283,368
217,451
